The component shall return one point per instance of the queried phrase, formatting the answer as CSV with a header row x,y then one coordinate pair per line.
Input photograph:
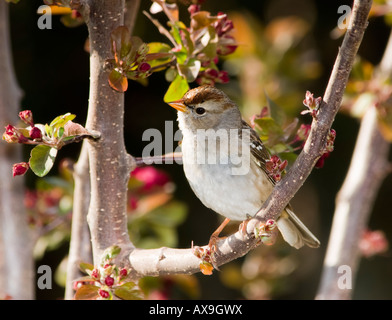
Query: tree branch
x,y
369,166
109,162
163,261
80,246
16,264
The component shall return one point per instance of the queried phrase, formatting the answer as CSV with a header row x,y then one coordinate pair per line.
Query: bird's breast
x,y
233,189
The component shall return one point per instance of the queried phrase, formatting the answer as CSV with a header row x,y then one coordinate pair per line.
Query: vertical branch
x,y
110,164
16,264
355,200
80,245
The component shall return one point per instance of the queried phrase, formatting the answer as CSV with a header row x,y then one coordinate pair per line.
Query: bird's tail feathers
x,y
294,232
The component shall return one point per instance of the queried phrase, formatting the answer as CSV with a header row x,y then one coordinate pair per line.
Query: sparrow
x,y
224,161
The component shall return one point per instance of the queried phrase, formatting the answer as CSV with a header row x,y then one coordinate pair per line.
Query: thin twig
x,y
166,158
161,28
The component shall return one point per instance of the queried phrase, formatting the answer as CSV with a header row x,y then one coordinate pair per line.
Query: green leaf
x,y
158,54
209,42
60,121
110,253
158,47
48,130
175,32
87,292
268,127
289,156
129,291
181,56
61,132
202,19
121,41
57,125
42,159
117,81
176,89
84,266
190,70
187,35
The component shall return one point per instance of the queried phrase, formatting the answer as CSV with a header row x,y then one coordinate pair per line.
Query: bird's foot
x,y
212,243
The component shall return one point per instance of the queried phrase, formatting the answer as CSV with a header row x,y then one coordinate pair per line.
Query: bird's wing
x,y
258,151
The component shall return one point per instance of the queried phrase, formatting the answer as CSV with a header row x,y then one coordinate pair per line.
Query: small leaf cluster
x,y
266,232
130,59
106,281
192,55
206,259
48,139
283,142
278,136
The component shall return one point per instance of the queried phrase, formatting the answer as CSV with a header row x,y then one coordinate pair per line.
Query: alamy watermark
x,y
44,280
345,280
223,147
45,20
344,19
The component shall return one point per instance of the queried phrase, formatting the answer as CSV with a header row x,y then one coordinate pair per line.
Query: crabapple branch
x,y
163,261
109,162
368,168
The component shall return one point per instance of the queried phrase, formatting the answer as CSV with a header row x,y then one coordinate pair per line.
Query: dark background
x,y
53,71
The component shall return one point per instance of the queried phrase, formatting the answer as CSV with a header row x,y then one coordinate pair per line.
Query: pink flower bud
x,y
103,293
95,274
320,162
20,169
75,14
123,272
372,243
13,135
10,135
109,281
270,224
310,101
212,73
144,67
224,77
35,133
27,117
228,26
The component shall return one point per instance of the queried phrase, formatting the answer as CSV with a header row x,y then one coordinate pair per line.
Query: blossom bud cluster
x,y
275,166
313,104
13,134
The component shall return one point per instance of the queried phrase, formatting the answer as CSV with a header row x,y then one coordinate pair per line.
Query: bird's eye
x,y
200,111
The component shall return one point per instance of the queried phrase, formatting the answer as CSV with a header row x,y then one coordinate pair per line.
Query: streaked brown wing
x,y
258,151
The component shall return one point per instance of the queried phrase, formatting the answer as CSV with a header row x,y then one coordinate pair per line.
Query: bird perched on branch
x,y
225,163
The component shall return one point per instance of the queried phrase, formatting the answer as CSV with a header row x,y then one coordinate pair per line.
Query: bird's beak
x,y
179,106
